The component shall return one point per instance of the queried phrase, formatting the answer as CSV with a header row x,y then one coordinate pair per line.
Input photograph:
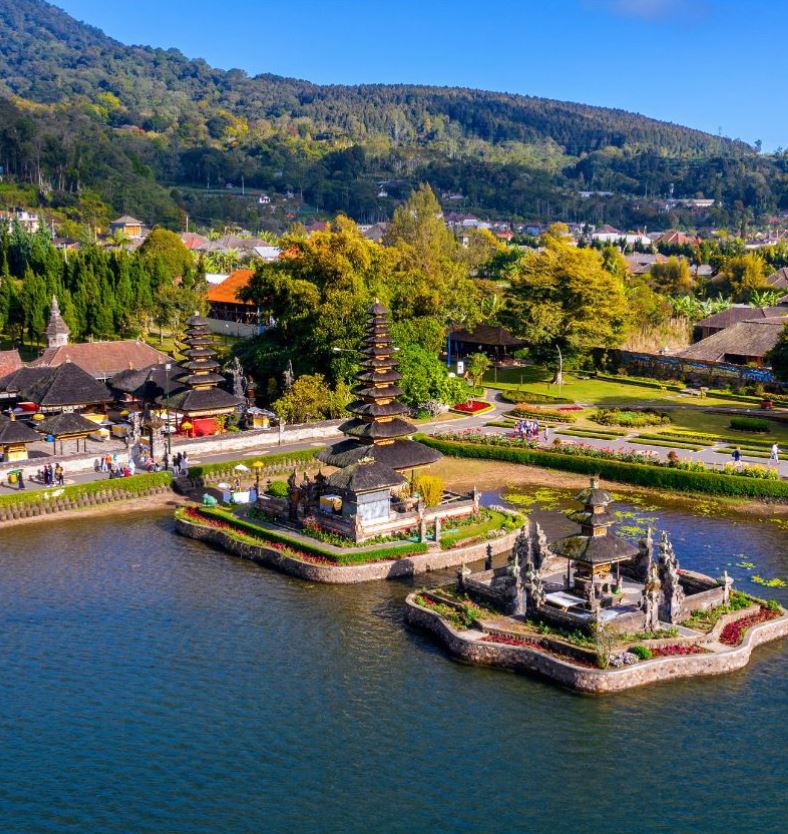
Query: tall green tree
x,y
564,298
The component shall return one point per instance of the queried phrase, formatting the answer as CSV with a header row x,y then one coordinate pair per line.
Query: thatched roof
x,y
486,334
66,424
14,431
200,399
751,339
594,550
64,385
366,476
400,455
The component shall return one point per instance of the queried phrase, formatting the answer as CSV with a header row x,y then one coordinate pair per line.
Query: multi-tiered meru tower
x,y
378,429
198,396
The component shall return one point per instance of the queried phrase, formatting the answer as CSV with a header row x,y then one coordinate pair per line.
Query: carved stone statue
x,y
533,589
488,559
522,545
652,592
541,549
672,592
727,582
513,589
294,496
640,565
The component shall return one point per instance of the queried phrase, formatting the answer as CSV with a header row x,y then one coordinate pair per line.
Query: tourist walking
x,y
60,476
21,480
775,454
736,455
184,464
546,434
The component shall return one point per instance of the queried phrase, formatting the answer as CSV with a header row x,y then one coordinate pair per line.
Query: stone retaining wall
x,y
523,659
44,506
345,574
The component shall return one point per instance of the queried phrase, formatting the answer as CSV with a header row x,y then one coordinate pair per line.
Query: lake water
x,y
152,684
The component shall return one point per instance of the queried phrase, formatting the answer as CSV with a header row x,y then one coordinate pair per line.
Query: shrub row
x,y
134,485
395,551
513,396
524,412
753,424
639,474
272,462
692,447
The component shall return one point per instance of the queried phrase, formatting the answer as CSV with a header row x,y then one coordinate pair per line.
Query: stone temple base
x,y
469,645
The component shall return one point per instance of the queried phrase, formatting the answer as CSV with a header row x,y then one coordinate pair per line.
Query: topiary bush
x,y
531,397
624,417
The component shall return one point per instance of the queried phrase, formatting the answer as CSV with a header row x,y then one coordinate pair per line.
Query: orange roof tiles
x,y
226,292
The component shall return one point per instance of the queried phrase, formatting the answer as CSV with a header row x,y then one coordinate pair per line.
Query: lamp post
x,y
167,368
258,468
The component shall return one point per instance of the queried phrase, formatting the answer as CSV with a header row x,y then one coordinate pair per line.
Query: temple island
x,y
374,512
595,613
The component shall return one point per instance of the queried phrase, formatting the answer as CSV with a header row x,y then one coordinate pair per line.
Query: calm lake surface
x,y
152,684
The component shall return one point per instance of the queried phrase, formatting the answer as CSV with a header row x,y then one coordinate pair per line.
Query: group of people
x,y
180,464
529,430
111,464
774,456
51,475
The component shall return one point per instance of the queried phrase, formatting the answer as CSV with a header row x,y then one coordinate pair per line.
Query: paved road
x,y
708,456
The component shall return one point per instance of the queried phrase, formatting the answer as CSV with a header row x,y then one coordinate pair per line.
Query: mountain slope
x,y
125,119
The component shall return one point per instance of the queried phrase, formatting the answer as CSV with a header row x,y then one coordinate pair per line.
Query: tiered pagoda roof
x,y
594,545
200,393
378,430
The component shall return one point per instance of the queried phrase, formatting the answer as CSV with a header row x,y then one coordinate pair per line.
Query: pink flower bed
x,y
677,650
733,633
472,406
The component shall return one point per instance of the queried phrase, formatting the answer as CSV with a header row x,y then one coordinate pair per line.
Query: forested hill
x,y
90,111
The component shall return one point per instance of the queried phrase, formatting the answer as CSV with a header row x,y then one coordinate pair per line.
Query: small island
x,y
594,612
375,513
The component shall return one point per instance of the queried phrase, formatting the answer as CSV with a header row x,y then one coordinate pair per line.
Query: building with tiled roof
x,y
10,361
778,280
224,302
746,343
733,315
103,360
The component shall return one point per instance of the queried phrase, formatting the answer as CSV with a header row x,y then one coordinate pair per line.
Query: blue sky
x,y
711,64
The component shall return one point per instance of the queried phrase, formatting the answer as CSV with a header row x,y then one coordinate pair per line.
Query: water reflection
x,y
153,684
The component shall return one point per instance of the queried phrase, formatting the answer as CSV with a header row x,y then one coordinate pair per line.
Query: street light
x,y
258,467
167,367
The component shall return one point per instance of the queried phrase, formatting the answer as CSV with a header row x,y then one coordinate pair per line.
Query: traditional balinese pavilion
x,y
66,387
200,400
593,553
15,436
66,426
378,430
147,385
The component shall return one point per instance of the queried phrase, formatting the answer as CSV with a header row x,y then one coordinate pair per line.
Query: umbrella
x,y
241,468
223,485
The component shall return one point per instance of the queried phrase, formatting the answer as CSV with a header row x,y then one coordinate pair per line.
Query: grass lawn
x,y
491,520
602,393
695,420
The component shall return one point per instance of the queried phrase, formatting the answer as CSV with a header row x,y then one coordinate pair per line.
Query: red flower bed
x,y
506,640
733,633
677,651
472,406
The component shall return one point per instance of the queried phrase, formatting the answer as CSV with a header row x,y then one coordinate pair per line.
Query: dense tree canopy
x,y
563,297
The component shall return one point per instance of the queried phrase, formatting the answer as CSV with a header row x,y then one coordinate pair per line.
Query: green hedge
x,y
395,551
753,424
136,484
532,398
639,474
277,460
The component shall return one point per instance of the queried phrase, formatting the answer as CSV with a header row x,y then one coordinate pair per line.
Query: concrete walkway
x,y
460,423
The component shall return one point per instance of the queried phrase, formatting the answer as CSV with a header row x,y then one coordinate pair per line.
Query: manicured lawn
x,y
695,420
602,393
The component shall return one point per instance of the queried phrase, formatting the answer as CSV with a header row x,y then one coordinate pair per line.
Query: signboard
x,y
460,367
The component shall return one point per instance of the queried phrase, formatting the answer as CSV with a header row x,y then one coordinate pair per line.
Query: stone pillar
x,y
422,528
462,572
437,529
